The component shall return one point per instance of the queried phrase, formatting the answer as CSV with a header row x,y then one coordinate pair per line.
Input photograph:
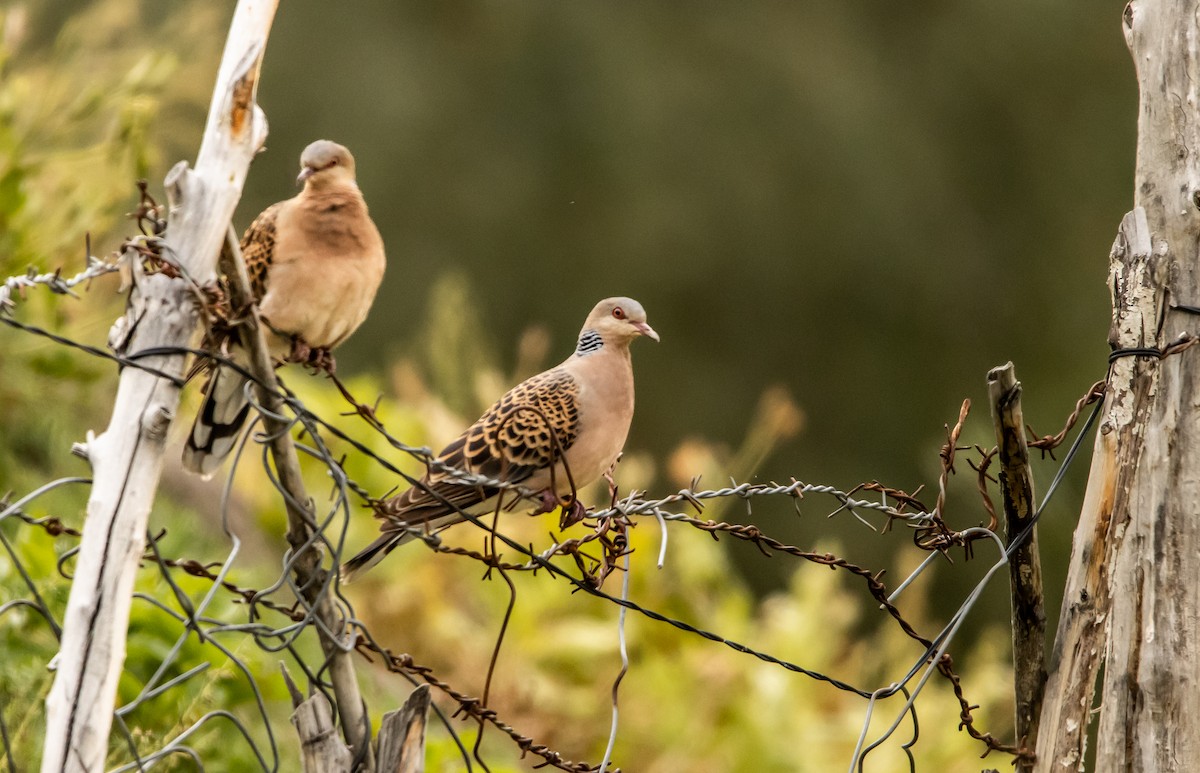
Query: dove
x,y
315,262
558,430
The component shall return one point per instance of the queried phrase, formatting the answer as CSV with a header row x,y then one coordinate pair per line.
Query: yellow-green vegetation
x,y
91,101
686,704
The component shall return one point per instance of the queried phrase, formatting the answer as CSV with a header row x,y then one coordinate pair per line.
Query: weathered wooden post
x,y
1025,566
1132,600
402,735
127,457
312,580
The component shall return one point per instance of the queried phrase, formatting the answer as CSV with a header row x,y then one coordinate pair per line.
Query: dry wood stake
x,y
312,580
402,735
1025,566
321,751
1132,599
127,458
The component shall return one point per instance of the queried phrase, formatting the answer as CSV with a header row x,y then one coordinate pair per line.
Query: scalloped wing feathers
x,y
573,417
527,430
258,248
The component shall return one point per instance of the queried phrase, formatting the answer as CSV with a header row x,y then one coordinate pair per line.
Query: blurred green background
x,y
838,215
868,204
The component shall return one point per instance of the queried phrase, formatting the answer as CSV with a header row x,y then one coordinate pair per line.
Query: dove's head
x,y
618,321
325,163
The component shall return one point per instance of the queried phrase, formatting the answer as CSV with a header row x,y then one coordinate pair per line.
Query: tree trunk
x,y
1133,590
127,458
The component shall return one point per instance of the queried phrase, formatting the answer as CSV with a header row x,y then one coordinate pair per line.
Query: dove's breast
x,y
327,267
605,412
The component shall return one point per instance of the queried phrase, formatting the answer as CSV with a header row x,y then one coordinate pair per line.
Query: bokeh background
x,y
838,215
866,206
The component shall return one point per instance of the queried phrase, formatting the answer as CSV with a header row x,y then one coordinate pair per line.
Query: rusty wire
x,y
602,550
752,534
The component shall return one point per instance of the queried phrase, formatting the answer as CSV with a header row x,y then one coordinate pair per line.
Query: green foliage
x,y
27,640
455,349
88,103
81,118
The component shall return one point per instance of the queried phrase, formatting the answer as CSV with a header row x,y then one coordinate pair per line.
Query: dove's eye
x,y
619,313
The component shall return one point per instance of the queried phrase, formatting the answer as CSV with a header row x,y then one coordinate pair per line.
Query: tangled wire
x,y
601,550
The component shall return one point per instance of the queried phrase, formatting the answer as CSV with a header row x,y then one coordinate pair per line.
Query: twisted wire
x,y
329,532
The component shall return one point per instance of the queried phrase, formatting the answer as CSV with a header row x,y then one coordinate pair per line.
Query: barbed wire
x,y
284,601
931,533
53,281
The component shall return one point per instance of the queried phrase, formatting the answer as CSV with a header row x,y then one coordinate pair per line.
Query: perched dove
x,y
315,262
579,412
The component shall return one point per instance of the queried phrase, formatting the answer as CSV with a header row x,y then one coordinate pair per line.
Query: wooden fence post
x,y
321,749
1025,564
127,457
402,735
1132,600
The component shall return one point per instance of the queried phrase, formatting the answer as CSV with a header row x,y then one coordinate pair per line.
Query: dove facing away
x,y
315,262
574,417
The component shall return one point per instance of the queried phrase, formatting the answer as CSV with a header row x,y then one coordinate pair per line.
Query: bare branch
x,y
314,582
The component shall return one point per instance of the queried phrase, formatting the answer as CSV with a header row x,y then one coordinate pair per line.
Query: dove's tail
x,y
373,554
217,426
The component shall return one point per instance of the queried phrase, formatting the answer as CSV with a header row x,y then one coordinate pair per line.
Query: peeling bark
x,y
1133,592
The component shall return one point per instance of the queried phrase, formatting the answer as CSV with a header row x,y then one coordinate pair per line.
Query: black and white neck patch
x,y
589,342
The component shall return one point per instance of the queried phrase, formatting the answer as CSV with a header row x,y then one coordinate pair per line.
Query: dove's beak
x,y
305,173
646,330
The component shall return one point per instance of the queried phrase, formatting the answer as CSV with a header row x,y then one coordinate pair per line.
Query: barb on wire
x,y
148,216
53,281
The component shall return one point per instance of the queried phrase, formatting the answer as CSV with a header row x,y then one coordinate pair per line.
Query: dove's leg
x,y
301,351
573,513
321,358
573,510
547,502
